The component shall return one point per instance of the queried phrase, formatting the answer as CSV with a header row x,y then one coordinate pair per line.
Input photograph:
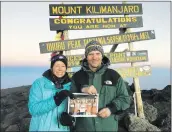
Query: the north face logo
x,y
108,82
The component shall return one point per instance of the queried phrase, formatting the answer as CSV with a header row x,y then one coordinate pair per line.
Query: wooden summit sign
x,y
114,57
64,45
94,9
130,71
95,23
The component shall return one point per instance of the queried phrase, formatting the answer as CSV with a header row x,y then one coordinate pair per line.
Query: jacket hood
x,y
48,74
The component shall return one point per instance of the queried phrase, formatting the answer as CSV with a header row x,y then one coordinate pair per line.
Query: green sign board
x,y
115,57
95,23
73,44
94,9
130,71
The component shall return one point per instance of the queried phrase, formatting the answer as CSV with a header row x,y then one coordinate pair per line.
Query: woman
x,y
48,97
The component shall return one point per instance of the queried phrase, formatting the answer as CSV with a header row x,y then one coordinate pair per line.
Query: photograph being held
x,y
86,106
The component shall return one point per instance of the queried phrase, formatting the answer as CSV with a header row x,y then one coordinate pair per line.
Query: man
x,y
95,77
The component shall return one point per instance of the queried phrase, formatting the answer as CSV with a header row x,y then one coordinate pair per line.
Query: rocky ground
x,y
156,104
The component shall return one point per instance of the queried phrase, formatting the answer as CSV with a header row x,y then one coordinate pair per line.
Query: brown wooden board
x,y
94,9
115,57
73,44
130,71
95,23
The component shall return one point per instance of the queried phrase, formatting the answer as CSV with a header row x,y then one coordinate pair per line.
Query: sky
x,y
25,24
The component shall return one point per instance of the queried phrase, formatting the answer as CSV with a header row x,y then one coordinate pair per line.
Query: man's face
x,y
94,59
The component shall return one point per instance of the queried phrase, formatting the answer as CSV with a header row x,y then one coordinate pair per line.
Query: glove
x,y
59,97
66,119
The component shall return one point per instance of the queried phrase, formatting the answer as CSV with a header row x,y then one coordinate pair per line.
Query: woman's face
x,y
59,69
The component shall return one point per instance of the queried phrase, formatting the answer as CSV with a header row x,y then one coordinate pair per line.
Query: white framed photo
x,y
84,105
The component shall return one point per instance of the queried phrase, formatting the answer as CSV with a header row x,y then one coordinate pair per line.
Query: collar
x,y
55,80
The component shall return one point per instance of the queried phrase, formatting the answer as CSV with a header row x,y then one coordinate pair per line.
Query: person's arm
x,y
36,105
122,101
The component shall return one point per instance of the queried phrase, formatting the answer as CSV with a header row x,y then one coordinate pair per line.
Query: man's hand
x,y
104,113
89,90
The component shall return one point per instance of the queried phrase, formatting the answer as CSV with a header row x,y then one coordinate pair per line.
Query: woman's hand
x,y
62,95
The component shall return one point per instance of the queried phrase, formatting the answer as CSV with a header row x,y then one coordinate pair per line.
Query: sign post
x,y
66,37
59,36
137,93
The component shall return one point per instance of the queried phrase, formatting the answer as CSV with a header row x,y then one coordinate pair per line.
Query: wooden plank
x,y
134,71
73,44
95,23
136,83
116,57
130,71
94,9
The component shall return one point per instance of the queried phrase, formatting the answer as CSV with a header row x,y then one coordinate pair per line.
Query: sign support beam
x,y
139,103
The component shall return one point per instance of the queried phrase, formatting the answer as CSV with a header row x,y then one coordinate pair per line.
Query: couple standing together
x,y
48,94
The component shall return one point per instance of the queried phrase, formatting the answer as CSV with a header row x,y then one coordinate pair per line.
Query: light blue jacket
x,y
42,106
